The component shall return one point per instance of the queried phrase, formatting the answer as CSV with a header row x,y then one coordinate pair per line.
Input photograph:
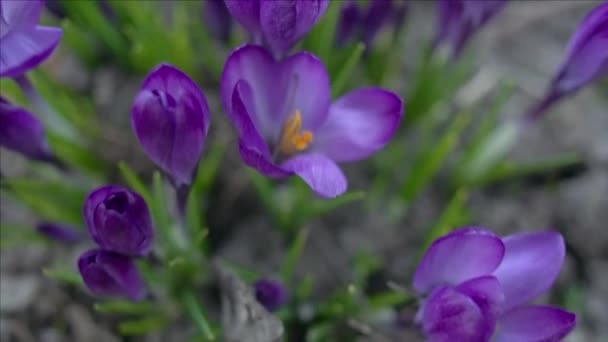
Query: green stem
x,y
197,315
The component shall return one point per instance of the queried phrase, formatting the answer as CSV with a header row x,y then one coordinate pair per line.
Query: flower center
x,y
293,139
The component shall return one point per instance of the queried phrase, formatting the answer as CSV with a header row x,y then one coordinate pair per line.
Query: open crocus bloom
x,y
24,44
477,286
287,125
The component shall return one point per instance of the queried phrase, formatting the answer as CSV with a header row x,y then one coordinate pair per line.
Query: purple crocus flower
x,y
24,44
170,118
458,20
287,125
477,285
365,23
118,220
278,24
60,232
110,274
586,60
217,19
22,132
270,293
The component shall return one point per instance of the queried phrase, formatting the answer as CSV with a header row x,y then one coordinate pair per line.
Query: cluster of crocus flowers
x,y
287,124
119,222
279,25
170,118
458,20
477,287
23,46
586,60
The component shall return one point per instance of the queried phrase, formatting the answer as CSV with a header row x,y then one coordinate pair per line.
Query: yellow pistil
x,y
293,139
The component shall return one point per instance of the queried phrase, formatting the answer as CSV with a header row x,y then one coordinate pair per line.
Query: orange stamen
x,y
293,139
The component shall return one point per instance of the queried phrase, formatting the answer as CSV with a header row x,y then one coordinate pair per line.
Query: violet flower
x,y
278,24
217,19
24,44
287,125
60,232
365,24
110,274
478,286
458,20
586,60
271,294
170,118
118,220
22,132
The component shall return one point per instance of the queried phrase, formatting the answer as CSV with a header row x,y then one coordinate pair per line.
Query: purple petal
x,y
286,22
449,315
587,53
217,19
111,274
319,172
359,124
255,159
19,15
459,256
378,14
60,232
22,132
531,263
487,293
348,22
535,324
270,293
170,117
247,13
119,220
24,50
278,89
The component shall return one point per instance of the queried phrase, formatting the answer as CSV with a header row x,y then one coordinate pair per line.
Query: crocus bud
x,y
279,24
22,132
118,220
348,22
60,232
110,274
271,294
458,20
586,60
25,44
170,118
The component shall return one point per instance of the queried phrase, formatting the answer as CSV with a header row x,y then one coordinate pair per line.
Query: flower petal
x,y
535,324
487,293
285,22
247,13
459,256
170,118
19,15
319,172
531,263
24,50
449,315
359,124
278,89
587,53
60,232
22,132
256,159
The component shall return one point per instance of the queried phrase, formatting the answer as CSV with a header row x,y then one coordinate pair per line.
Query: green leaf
x,y
346,72
134,182
427,163
12,236
388,299
77,156
319,207
52,200
323,34
124,307
64,276
142,326
293,255
161,215
305,287
198,316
